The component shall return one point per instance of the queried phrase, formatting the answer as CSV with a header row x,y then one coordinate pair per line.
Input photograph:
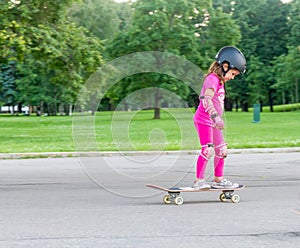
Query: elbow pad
x,y
208,105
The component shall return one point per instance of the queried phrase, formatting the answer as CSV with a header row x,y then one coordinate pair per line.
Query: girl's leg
x,y
205,134
220,150
220,154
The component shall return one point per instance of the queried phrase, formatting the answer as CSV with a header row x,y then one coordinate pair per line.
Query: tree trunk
x,y
236,105
42,108
61,109
297,91
48,109
70,109
19,108
283,99
157,98
271,101
244,106
11,109
261,105
228,105
156,113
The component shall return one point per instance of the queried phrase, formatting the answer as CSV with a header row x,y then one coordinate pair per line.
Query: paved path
x,y
102,202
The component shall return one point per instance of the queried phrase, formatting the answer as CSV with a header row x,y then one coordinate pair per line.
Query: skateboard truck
x,y
229,195
173,197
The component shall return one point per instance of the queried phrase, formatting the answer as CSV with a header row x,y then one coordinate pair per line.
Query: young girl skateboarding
x,y
229,62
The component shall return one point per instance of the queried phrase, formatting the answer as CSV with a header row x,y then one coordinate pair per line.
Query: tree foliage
x,y
265,30
181,27
52,57
50,48
103,18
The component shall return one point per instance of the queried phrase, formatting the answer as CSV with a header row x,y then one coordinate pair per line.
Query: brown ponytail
x,y
216,69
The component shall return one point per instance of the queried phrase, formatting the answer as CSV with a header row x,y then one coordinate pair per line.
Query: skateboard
x,y
173,195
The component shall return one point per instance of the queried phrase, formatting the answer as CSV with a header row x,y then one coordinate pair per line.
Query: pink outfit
x,y
211,82
207,132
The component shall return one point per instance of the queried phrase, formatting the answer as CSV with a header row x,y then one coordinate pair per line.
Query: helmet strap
x,y
223,70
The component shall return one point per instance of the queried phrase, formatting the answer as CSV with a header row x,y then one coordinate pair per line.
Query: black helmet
x,y
233,56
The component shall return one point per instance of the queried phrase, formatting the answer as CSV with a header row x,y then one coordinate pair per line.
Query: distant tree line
x,y
50,48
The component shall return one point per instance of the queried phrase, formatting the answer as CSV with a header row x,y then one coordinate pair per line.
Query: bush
x,y
281,108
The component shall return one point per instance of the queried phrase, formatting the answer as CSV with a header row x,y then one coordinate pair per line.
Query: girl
x,y
208,118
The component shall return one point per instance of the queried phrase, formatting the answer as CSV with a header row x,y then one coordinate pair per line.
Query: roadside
x,y
135,153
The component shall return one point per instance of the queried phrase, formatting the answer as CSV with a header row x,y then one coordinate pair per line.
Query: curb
x,y
137,153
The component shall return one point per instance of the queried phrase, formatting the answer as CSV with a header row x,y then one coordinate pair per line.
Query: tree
x,y
7,77
218,31
256,81
261,23
294,23
293,57
188,28
13,50
100,17
158,25
66,58
288,70
53,57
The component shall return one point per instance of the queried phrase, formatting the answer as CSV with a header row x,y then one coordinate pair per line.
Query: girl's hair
x,y
217,69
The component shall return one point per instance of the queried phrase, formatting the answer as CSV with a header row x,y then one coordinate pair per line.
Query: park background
x,y
49,49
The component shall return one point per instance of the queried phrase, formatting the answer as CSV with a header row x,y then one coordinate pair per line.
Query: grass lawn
x,y
138,131
35,134
279,129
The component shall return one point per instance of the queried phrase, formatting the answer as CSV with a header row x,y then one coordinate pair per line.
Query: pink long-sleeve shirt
x,y
211,82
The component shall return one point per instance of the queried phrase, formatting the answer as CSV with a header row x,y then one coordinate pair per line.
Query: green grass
x,y
274,130
35,134
139,131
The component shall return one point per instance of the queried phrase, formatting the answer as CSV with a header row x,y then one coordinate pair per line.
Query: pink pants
x,y
210,135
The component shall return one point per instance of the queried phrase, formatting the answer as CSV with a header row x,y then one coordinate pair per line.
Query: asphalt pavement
x,y
102,201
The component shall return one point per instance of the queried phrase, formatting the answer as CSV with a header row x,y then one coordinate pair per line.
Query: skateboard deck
x,y
174,193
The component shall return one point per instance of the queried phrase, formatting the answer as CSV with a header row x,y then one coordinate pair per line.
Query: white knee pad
x,y
221,151
207,151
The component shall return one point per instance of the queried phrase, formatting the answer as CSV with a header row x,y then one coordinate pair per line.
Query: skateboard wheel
x,y
178,200
222,197
235,198
166,199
